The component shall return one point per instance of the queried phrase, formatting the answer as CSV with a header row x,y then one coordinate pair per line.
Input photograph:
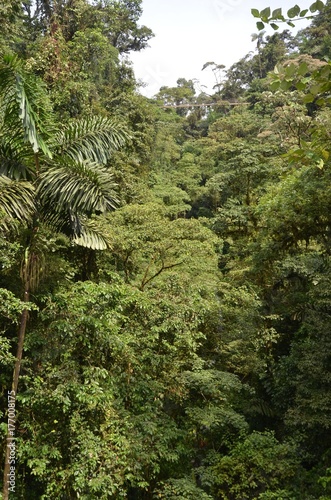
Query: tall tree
x,y
66,182
118,20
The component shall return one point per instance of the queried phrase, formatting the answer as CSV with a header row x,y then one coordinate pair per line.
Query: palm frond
x,y
81,186
91,236
16,199
24,101
16,161
62,221
94,138
81,230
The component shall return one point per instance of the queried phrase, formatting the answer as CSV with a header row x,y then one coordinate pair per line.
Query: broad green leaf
x,y
275,85
260,25
290,70
316,89
303,68
325,71
291,24
300,86
285,85
320,5
274,26
255,12
303,12
316,6
265,13
308,98
294,11
277,14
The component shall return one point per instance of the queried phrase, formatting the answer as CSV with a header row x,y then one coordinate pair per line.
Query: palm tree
x,y
49,175
259,39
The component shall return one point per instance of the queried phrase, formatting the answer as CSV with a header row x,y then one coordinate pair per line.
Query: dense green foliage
x,y
169,260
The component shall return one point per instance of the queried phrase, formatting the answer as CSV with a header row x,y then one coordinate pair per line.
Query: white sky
x,y
188,33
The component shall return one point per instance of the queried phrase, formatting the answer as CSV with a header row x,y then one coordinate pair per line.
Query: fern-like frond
x,y
81,186
94,138
16,199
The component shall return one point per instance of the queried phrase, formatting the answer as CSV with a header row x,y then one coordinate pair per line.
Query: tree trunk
x,y
16,373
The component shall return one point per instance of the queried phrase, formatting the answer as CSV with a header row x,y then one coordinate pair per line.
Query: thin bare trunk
x,y
16,373
28,277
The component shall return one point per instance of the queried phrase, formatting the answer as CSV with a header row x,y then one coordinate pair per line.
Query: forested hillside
x,y
165,263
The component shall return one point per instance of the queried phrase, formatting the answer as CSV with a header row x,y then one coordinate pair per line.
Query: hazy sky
x,y
188,33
